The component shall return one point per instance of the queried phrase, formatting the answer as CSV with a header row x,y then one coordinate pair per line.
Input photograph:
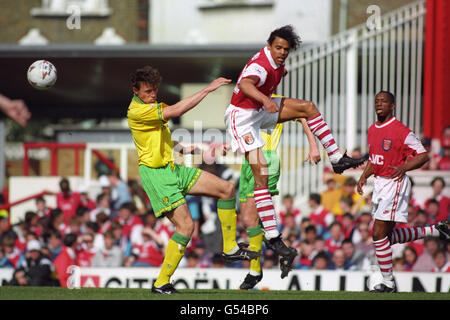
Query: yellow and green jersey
x,y
150,132
272,140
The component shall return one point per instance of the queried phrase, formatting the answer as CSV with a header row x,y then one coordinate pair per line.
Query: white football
x,y
42,74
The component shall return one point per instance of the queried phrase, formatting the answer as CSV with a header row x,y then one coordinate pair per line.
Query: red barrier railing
x,y
7,206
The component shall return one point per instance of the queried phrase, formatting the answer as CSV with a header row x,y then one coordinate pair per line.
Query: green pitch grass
x,y
46,293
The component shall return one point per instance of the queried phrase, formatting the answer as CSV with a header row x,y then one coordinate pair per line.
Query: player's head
x,y
146,82
281,41
384,105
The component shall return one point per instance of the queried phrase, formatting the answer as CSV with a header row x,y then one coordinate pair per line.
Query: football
x,y
42,74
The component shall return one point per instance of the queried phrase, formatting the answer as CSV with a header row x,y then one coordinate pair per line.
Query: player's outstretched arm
x,y
415,163
17,110
368,171
188,103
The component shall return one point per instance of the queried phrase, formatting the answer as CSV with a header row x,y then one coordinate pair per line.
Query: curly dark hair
x,y
287,33
146,74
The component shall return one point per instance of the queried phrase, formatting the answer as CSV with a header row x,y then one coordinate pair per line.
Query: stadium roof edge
x,y
127,50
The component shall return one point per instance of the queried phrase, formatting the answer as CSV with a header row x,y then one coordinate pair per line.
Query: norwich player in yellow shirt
x,y
165,182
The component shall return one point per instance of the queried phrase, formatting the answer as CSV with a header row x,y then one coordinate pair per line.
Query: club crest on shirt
x,y
165,200
248,138
387,144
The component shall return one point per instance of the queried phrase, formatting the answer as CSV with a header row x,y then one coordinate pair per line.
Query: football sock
x,y
383,253
226,210
266,212
320,129
174,253
402,235
255,236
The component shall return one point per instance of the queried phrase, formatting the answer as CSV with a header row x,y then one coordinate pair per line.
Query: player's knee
x,y
250,221
311,109
228,191
186,228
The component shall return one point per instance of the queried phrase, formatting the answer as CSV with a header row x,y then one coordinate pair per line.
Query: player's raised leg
x,y
211,185
292,109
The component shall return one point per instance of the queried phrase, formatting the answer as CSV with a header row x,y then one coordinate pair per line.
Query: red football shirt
x,y
390,144
266,70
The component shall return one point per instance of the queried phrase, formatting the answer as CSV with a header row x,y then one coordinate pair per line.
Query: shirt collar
x,y
384,124
269,57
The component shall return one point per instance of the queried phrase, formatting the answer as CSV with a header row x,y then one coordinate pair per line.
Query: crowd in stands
x,y
118,229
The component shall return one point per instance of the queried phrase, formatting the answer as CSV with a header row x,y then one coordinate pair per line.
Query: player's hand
x,y
217,83
398,173
17,110
313,156
225,148
362,181
271,106
190,150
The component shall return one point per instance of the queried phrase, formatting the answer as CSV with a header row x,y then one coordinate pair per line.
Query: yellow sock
x,y
226,210
255,236
174,253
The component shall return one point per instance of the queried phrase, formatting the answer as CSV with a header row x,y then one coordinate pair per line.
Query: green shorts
x,y
247,182
167,186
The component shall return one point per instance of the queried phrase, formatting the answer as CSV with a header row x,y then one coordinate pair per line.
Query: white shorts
x,y
390,199
243,126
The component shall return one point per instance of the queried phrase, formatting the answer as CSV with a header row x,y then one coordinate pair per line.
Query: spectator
x,y
66,258
365,243
320,261
438,186
205,258
31,223
425,260
74,226
421,219
310,234
38,267
53,240
349,191
67,200
139,197
432,211
84,216
217,261
4,262
306,255
19,278
85,201
11,253
119,192
348,223
440,260
103,222
5,229
289,226
99,241
288,208
398,264
120,240
88,251
110,256
150,253
410,257
338,260
354,259
270,259
102,206
335,241
192,260
131,224
42,210
56,221
319,216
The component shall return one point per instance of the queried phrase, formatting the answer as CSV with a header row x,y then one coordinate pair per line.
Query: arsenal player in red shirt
x,y
391,144
252,108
